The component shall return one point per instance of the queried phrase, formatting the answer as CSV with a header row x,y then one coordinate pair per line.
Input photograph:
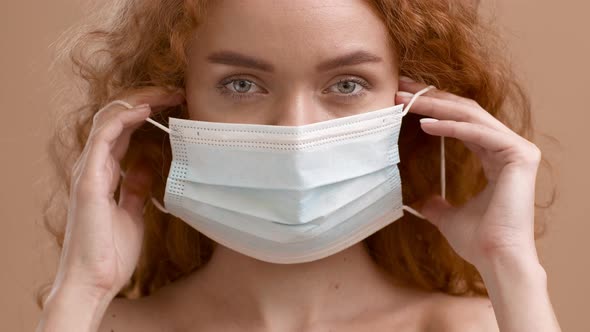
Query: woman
x,y
126,265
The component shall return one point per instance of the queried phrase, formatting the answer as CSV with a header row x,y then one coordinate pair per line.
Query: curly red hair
x,y
438,42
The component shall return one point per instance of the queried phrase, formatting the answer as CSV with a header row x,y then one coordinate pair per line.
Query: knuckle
x,y
473,112
531,154
455,128
105,114
465,125
463,113
101,132
535,154
469,117
97,118
429,104
479,134
482,128
101,116
473,103
466,100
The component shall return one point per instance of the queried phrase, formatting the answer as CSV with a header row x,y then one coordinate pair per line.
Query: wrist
x,y
517,287
513,266
71,307
68,292
72,279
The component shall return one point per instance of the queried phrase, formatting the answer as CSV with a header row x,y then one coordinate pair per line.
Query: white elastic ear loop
x,y
129,106
443,184
405,111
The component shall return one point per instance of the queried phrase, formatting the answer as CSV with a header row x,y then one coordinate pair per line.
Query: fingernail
x,y
406,79
428,120
404,94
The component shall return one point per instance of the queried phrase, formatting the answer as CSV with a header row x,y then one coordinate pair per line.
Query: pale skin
x,y
345,291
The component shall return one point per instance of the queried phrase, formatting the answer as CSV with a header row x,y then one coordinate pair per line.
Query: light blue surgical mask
x,y
288,194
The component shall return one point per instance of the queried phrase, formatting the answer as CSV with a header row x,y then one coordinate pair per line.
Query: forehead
x,y
302,30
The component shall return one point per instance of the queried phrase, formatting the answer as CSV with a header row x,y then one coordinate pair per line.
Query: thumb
x,y
437,210
135,188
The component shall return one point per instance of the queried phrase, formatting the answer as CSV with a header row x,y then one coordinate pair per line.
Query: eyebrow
x,y
232,58
351,59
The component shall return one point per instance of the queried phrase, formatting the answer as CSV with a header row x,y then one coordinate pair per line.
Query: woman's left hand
x,y
500,219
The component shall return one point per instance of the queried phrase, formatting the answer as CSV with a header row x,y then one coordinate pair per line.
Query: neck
x,y
279,295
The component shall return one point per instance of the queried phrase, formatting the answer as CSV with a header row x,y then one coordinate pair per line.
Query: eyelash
x,y
236,95
223,90
361,82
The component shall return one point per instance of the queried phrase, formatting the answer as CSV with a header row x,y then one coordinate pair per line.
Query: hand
x,y
103,237
500,219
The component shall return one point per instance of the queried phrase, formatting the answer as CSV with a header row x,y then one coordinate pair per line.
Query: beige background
x,y
548,41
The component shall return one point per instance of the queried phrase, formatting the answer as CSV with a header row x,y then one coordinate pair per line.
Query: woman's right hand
x,y
103,237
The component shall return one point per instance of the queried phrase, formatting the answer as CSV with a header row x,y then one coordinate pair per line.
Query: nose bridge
x,y
296,108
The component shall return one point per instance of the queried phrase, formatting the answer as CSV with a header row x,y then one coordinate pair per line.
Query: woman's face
x,y
289,62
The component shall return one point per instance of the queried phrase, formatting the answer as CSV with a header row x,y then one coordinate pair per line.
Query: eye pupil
x,y
346,87
242,85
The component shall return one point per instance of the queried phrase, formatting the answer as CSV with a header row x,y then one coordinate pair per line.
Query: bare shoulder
x,y
462,313
166,309
129,315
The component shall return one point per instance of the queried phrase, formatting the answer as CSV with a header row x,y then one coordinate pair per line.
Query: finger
x,y
93,163
480,135
122,144
409,85
443,109
101,170
436,210
157,97
98,121
135,188
119,149
115,123
474,148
